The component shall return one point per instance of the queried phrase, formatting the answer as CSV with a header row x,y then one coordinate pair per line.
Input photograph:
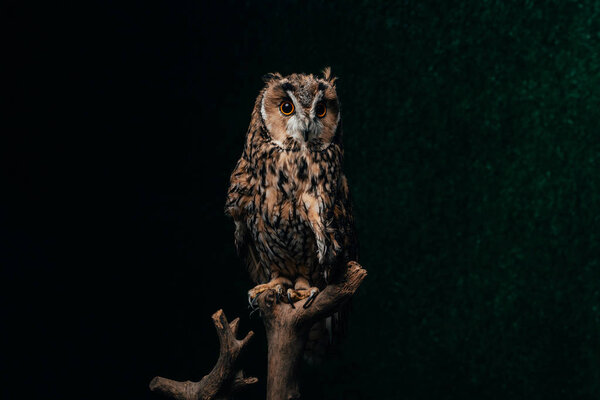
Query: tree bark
x,y
287,330
221,382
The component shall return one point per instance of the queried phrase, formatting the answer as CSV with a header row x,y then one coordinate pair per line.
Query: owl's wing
x,y
239,201
248,252
344,221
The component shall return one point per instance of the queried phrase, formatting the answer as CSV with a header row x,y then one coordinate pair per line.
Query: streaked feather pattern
x,y
288,196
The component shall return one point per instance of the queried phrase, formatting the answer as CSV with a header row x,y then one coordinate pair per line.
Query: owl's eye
x,y
287,108
320,110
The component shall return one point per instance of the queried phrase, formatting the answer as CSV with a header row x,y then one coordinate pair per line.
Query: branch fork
x,y
221,382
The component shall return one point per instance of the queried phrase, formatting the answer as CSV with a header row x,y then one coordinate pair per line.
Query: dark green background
x,y
472,146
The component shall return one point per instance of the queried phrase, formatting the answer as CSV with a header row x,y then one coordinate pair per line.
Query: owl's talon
x,y
252,301
278,293
311,298
289,296
276,285
254,310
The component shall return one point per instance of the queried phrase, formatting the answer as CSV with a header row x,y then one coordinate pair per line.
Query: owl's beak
x,y
305,134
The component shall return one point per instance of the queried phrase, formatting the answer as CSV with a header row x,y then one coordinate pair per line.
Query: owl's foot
x,y
295,295
277,284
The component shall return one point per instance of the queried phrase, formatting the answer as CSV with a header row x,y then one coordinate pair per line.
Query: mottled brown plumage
x,y
288,196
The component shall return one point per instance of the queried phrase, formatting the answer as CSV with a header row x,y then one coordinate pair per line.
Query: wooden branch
x,y
221,382
287,329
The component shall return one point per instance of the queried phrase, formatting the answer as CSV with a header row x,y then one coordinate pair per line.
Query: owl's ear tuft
x,y
328,76
271,76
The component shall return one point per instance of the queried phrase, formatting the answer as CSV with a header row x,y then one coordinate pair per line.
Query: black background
x,y
472,152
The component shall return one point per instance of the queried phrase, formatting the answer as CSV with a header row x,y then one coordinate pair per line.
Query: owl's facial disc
x,y
300,109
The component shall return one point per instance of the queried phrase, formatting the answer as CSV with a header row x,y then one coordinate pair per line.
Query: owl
x,y
288,196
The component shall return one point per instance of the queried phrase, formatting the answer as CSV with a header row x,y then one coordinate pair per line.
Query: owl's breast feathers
x,y
291,208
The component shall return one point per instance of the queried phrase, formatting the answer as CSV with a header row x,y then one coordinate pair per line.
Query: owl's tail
x,y
325,336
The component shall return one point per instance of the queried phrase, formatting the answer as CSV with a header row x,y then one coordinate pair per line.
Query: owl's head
x,y
300,110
